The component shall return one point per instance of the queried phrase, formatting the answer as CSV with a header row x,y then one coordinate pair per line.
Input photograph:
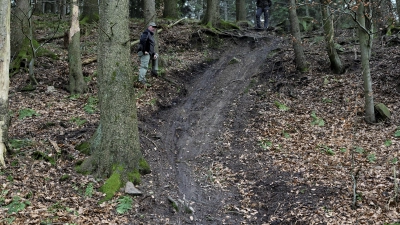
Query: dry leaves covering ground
x,y
302,171
289,170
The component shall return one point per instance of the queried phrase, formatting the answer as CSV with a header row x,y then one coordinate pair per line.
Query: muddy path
x,y
189,134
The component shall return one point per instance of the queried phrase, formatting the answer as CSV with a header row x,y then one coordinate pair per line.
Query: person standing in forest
x,y
146,52
262,7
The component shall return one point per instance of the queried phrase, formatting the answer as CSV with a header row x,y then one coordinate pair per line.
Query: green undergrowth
x,y
38,155
83,147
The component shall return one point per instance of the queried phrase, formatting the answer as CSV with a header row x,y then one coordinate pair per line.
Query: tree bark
x,y
33,49
300,58
398,10
19,26
327,19
365,37
170,9
211,17
5,9
63,8
77,84
115,145
149,11
225,9
241,11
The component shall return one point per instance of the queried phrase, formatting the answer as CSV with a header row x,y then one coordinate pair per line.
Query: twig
x,y
236,212
394,199
396,185
279,204
151,141
354,176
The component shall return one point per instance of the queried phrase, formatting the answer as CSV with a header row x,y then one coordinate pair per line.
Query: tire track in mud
x,y
191,127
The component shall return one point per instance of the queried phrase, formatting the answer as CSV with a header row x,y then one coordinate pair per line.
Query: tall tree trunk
x,y
149,11
300,58
55,7
307,9
90,10
32,46
398,10
76,81
19,26
327,19
225,10
241,11
5,9
115,145
170,9
63,8
365,37
211,17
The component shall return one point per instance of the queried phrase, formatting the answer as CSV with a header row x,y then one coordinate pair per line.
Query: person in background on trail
x,y
146,52
262,7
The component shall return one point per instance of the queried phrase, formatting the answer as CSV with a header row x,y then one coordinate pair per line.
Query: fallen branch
x,y
47,39
2,154
89,60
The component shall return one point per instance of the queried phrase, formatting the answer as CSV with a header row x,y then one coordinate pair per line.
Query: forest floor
x,y
233,135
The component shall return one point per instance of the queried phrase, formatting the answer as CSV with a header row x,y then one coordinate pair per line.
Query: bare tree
x,y
327,19
76,81
365,36
5,8
398,10
170,9
115,145
19,25
241,11
300,58
149,11
211,17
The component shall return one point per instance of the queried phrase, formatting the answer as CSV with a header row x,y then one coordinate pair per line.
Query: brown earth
x,y
228,131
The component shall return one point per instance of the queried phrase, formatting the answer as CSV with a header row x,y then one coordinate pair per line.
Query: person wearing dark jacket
x,y
262,7
146,52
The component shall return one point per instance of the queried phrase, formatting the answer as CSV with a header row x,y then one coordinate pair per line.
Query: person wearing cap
x,y
146,52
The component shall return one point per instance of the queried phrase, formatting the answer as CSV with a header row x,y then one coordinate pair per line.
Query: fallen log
x,y
89,60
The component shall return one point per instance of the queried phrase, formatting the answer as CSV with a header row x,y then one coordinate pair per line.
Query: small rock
x,y
383,111
234,60
130,189
50,89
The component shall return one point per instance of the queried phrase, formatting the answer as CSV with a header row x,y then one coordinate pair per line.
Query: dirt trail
x,y
190,129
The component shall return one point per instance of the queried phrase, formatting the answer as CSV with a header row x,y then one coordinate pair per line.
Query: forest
x,y
292,119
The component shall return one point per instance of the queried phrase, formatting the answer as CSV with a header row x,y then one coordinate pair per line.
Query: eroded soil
x,y
191,132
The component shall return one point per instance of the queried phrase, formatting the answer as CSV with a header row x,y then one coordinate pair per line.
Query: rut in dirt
x,y
189,129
